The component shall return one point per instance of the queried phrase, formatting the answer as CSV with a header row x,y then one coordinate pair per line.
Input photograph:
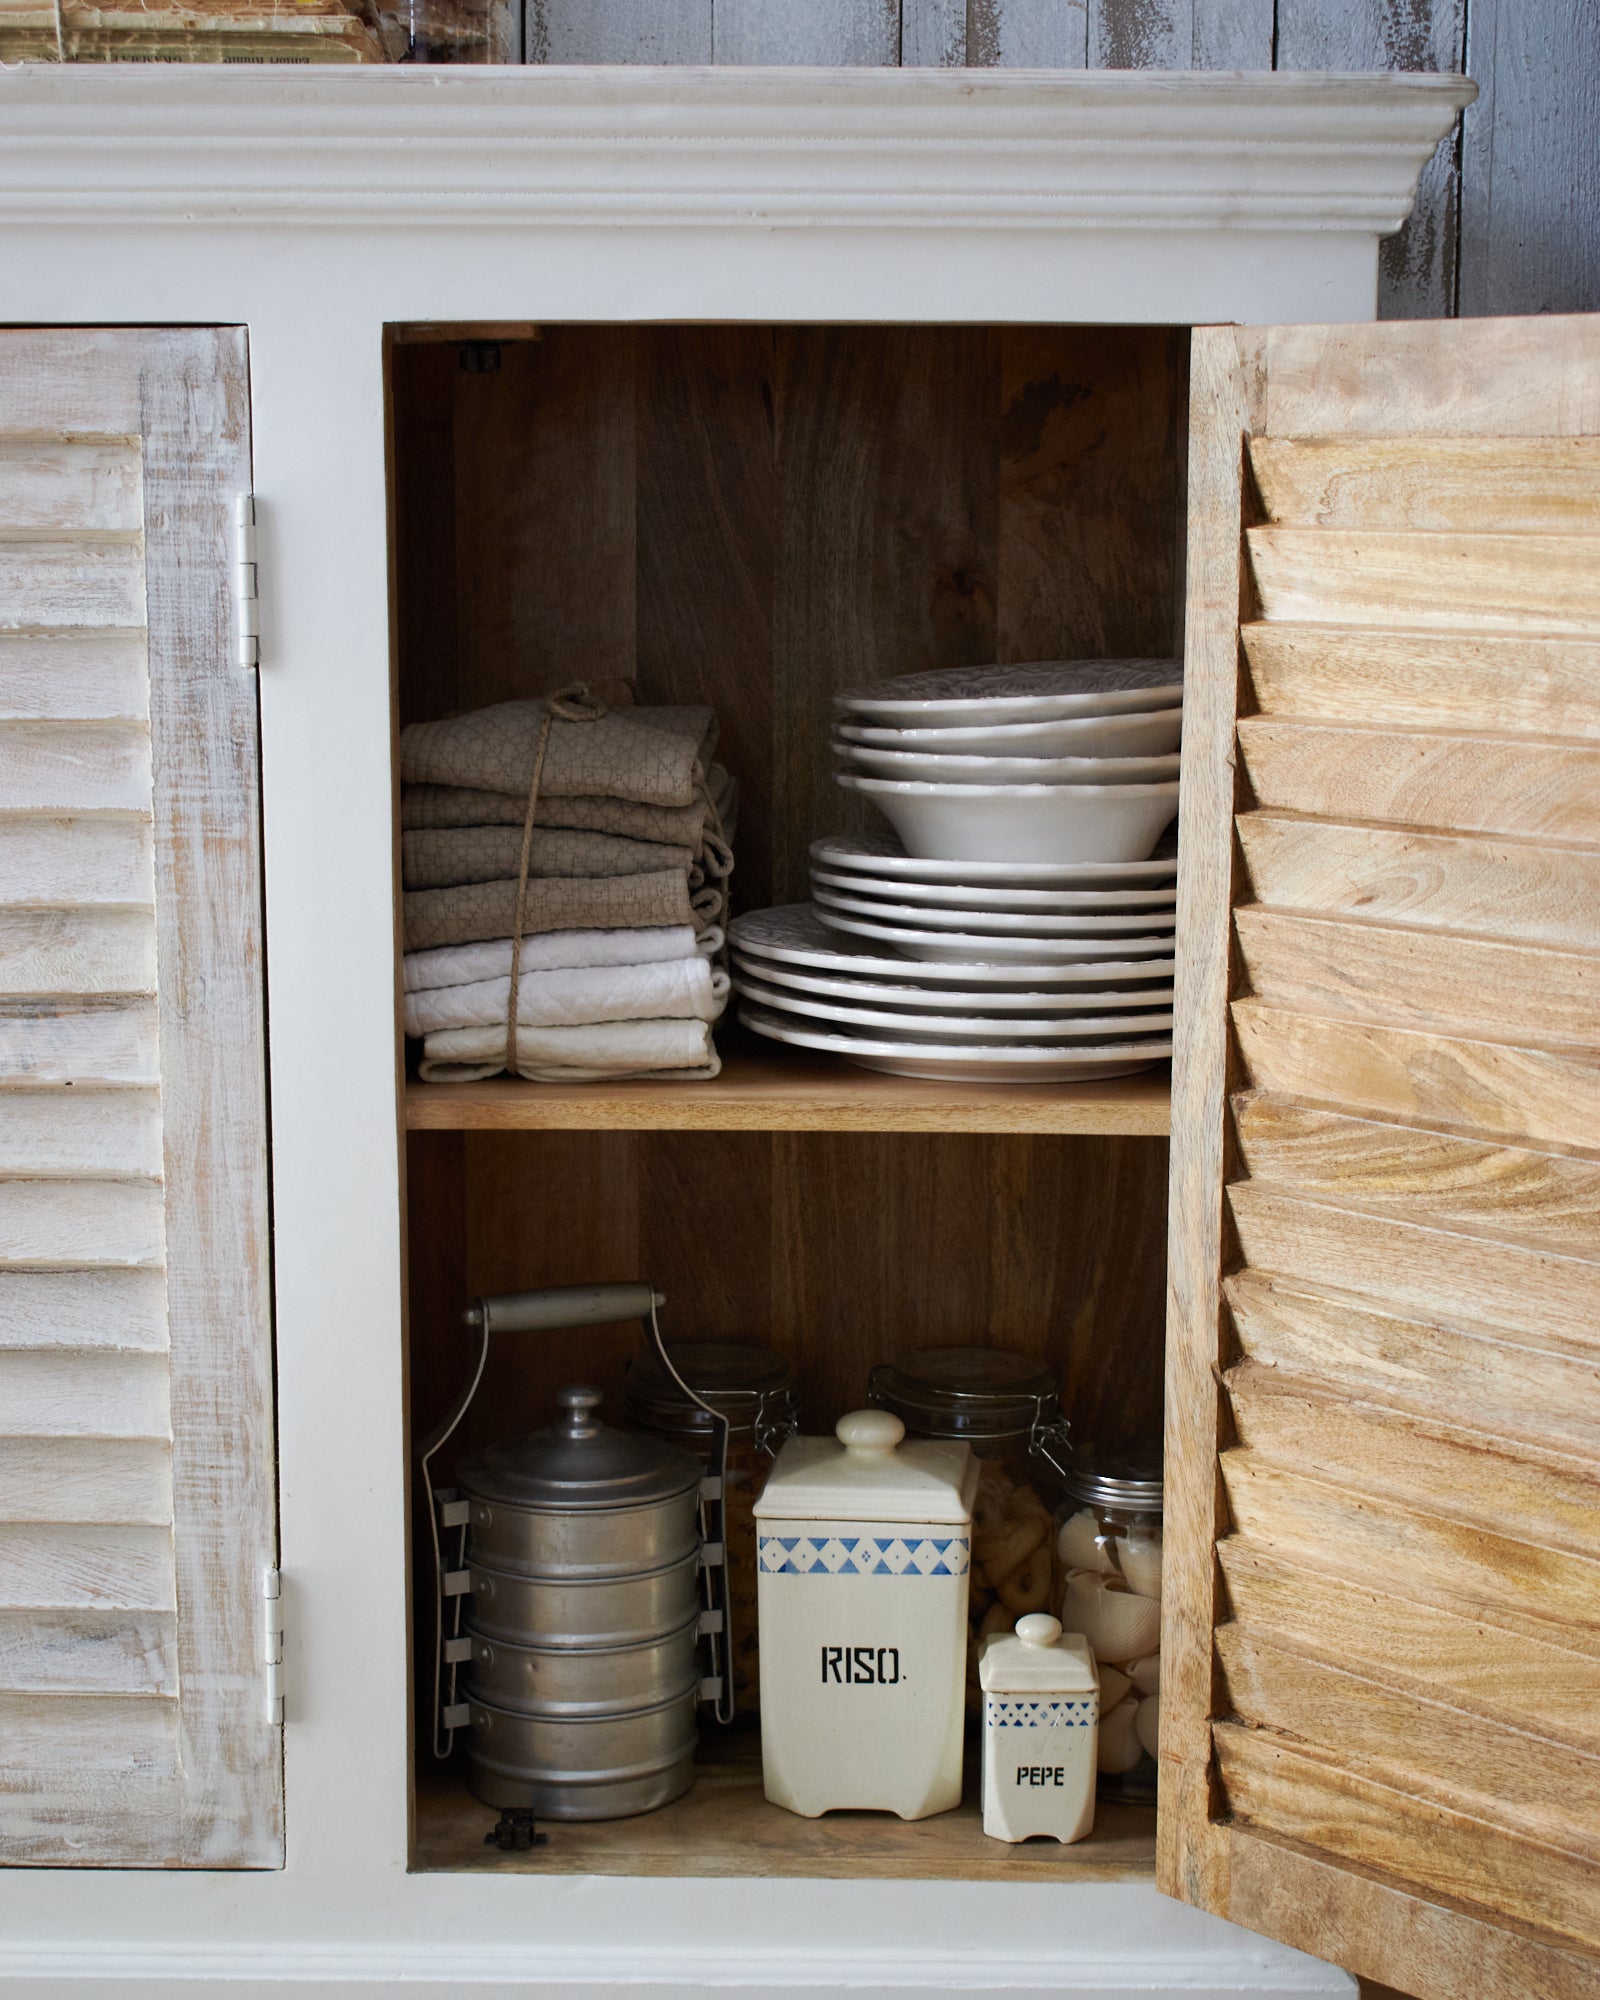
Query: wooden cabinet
x,y
137,1510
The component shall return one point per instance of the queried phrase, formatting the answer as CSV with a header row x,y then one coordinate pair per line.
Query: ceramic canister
x,y
864,1544
1041,1702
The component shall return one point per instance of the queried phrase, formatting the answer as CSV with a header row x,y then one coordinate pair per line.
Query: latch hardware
x,y
247,580
272,1645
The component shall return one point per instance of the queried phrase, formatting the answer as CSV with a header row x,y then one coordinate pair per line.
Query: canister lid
x,y
1129,1482
579,1463
968,1392
1038,1657
864,1472
741,1381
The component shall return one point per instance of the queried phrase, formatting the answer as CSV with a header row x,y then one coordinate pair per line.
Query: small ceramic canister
x,y
864,1547
1041,1704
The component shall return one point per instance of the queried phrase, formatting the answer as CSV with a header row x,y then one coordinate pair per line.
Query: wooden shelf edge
x,y
802,1093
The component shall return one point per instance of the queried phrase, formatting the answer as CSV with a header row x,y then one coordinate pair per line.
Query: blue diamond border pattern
x,y
1082,1713
865,1555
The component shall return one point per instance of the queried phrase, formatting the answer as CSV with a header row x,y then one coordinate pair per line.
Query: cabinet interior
x,y
753,516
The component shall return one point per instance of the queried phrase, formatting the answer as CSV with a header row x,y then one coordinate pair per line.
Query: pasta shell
x,y
1114,1684
1119,1748
1147,1724
1078,1543
1146,1673
1141,1562
1118,1624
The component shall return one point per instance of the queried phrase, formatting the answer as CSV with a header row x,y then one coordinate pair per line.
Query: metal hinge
x,y
247,581
272,1645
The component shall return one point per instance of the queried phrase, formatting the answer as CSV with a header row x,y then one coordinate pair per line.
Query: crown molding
x,y
752,149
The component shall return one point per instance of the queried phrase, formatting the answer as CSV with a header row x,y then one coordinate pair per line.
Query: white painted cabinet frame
x,y
137,1508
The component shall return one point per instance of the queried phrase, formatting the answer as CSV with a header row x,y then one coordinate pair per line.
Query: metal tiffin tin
x,y
864,1543
1041,1702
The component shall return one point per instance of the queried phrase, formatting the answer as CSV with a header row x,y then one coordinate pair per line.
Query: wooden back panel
x,y
136,1474
1384,1382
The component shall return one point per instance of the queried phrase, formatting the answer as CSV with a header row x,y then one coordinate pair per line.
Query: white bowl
x,y
1056,823
1146,733
986,896
881,854
1025,923
921,767
1037,691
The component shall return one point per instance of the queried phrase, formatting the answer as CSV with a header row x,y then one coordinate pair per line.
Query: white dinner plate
x,y
1039,691
889,1026
1143,733
922,767
945,896
909,998
978,946
793,934
1001,923
882,854
954,1063
1021,822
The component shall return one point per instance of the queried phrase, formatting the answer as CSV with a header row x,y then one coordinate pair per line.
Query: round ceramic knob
x,y
578,1405
869,1431
1038,1629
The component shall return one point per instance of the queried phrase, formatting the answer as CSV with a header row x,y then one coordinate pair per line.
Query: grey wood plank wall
x,y
1508,215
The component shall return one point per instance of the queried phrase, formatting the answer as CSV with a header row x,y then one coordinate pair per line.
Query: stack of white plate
x,y
1060,761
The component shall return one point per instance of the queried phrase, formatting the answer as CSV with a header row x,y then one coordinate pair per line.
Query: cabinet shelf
x,y
795,1092
724,1826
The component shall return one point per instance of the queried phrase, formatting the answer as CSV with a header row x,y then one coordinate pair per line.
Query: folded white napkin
x,y
666,989
592,1054
465,964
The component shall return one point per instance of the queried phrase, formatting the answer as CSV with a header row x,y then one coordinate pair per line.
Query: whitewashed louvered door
x,y
137,1509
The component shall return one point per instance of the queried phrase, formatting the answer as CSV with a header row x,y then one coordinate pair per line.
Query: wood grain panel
x,y
81,1222
78,952
59,1392
1417,1268
1549,1201
1304,1797
1465,1569
1497,681
1462,783
1531,1386
88,1652
1508,889
618,31
110,1737
827,32
1414,978
1025,34
1453,485
70,580
60,484
1535,1784
69,863
65,767
1375,1627
1180,34
1538,1096
101,1133
111,1481
106,1044
1461,1472
83,1309
74,676
63,1566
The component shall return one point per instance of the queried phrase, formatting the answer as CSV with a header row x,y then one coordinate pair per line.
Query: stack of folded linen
x,y
622,907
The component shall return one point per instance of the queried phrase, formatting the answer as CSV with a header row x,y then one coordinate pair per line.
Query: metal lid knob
x,y
578,1405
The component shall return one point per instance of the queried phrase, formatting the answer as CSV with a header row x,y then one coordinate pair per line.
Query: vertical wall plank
x,y
1027,34
933,34
829,32
619,31
1417,267
1530,195
1180,34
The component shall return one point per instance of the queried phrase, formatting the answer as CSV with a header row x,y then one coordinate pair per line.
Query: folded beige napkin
x,y
676,989
445,857
647,756
475,911
428,806
613,1049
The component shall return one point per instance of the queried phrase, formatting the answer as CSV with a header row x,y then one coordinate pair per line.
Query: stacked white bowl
x,y
1020,927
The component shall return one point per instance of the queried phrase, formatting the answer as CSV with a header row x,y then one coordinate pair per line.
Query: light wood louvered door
x,y
1381,1710
136,1449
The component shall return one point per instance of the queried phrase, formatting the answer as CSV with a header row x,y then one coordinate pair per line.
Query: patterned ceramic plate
x,y
973,1063
795,935
880,854
1121,989
984,923
978,946
945,896
892,1027
1041,691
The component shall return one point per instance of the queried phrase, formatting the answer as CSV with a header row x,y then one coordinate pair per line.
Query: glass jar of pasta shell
x,y
754,1388
1108,1546
1008,1408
